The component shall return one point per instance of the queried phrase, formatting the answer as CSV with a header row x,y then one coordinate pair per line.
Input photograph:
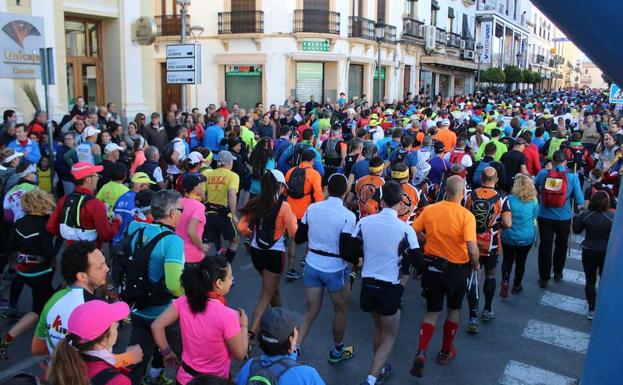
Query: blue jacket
x,y
573,191
521,233
32,148
284,160
212,137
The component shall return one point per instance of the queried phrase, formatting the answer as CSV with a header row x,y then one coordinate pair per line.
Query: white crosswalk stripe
x,y
573,276
575,254
557,335
563,302
517,373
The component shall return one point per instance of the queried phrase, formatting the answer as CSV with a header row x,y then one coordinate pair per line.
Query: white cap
x,y
110,147
10,158
195,157
31,169
90,131
279,177
445,122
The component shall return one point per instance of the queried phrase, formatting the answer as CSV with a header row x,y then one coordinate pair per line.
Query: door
x,y
316,16
355,80
85,75
171,93
243,85
380,10
309,81
375,89
407,81
243,16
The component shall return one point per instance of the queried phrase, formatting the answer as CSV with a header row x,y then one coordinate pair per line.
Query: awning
x,y
448,62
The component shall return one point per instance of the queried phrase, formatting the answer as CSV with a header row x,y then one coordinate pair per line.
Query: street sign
x,y
181,77
560,39
616,94
182,64
180,50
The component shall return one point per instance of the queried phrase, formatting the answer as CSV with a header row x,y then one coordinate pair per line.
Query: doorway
x,y
171,93
309,81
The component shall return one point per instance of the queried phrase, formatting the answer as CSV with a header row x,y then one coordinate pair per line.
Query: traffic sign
x,y
180,50
181,64
560,39
181,77
616,94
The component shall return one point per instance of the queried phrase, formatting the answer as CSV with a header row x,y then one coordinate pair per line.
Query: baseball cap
x,y
142,200
10,158
91,131
225,157
278,323
279,176
110,147
81,170
445,122
91,319
195,157
191,181
438,147
141,177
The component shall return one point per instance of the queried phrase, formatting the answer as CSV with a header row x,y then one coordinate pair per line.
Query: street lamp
x,y
379,33
479,48
184,4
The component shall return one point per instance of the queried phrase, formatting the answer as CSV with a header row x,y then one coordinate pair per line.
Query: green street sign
x,y
316,45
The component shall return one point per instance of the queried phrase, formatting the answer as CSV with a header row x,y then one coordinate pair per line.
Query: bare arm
x,y
192,232
168,317
238,345
474,254
232,201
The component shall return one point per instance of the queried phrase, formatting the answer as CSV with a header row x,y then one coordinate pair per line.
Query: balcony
x,y
362,28
454,40
169,25
316,21
441,36
240,22
390,34
412,28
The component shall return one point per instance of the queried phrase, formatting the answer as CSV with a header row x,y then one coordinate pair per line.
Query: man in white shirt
x,y
329,226
179,151
459,154
383,239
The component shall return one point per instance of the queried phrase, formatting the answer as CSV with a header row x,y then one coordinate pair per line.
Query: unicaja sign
x,y
21,36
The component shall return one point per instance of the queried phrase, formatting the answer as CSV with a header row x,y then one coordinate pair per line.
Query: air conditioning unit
x,y
430,36
468,54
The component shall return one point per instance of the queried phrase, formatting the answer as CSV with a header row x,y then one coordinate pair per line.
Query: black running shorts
x,y
218,226
451,284
380,297
270,260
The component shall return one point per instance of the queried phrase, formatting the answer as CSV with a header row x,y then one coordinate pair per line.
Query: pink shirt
x,y
139,159
203,338
192,209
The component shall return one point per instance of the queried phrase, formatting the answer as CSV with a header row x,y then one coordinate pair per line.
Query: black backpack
x,y
169,149
132,269
483,209
331,149
297,154
271,373
296,184
265,228
400,157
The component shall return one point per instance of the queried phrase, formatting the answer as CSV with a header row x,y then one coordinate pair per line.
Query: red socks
x,y
426,333
449,330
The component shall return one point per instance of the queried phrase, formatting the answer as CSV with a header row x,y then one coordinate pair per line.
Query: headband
x,y
376,169
400,174
340,174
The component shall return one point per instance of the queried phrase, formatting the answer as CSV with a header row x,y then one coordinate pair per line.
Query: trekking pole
x,y
473,279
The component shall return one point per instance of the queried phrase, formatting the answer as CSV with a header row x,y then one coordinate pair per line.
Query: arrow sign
x,y
182,64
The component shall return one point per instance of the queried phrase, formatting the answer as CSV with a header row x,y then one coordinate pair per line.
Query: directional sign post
x,y
183,64
616,94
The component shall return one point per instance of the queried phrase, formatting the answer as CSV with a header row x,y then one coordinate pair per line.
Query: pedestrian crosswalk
x,y
558,336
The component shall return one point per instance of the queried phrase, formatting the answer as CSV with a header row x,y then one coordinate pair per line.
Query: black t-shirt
x,y
512,160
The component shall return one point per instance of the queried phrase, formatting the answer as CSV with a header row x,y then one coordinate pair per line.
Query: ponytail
x,y
67,366
198,279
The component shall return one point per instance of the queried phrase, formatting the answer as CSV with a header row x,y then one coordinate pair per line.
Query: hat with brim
x,y
11,157
93,318
278,323
279,177
29,170
81,170
142,178
189,182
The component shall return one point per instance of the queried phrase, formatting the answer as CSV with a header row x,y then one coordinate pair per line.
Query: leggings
x,y
40,288
518,256
593,263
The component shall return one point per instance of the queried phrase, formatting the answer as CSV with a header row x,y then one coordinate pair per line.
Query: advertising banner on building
x,y
21,37
486,37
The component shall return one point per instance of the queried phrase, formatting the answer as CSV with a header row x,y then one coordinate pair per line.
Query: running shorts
x,y
451,284
270,260
380,297
218,226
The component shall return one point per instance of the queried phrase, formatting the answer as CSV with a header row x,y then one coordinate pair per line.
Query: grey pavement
x,y
515,348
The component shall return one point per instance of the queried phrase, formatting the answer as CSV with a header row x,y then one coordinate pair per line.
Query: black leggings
x,y
593,263
518,256
40,288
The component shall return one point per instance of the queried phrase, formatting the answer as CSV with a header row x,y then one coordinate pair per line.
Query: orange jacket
x,y
312,188
285,221
365,188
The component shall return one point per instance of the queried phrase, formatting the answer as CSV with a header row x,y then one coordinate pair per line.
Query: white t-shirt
x,y
180,148
466,160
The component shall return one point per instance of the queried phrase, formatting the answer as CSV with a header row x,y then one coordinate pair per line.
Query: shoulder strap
x,y
281,366
104,376
152,242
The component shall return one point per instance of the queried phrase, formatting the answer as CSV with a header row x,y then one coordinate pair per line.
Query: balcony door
x,y
85,75
316,15
243,16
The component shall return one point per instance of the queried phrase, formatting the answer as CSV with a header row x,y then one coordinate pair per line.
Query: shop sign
x,y
145,30
243,70
316,45
21,37
376,73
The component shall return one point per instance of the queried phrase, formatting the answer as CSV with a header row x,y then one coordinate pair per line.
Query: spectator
x,y
26,146
152,168
155,134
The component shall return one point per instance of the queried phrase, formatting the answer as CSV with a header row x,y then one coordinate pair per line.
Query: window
x,y
411,8
380,10
357,8
433,12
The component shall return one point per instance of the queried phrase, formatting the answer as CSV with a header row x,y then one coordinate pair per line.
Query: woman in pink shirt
x,y
212,333
192,222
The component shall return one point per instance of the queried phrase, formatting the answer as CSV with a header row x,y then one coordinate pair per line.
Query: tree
x,y
493,75
513,74
527,76
536,78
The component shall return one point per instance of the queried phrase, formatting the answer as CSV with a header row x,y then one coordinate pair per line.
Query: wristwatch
x,y
165,352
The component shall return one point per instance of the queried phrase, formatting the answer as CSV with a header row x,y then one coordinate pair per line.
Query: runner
x,y
125,206
192,221
367,186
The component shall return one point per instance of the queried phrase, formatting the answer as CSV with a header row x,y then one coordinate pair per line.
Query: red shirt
x,y
533,164
93,215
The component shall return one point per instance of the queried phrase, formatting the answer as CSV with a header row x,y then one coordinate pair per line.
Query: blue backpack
x,y
478,172
271,373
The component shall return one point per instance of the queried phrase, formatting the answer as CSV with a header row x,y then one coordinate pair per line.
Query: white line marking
x,y
576,254
573,276
557,335
517,373
564,302
20,367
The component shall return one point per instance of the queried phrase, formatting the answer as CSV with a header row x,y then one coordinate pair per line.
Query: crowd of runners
x,y
144,220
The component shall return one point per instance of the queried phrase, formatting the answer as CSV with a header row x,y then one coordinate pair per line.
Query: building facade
x,y
590,76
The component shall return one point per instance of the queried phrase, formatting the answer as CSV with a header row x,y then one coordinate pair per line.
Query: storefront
x,y
375,87
310,81
243,84
355,80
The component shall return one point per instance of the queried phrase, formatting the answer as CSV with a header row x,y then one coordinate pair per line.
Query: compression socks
x,y
449,331
488,288
229,255
472,300
426,333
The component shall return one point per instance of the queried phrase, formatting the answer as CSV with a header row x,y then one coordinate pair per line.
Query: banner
x,y
486,38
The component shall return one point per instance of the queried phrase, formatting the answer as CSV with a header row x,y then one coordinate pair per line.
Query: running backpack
x,y
575,158
296,184
330,150
456,157
265,228
271,373
554,191
297,154
132,271
478,172
483,210
169,149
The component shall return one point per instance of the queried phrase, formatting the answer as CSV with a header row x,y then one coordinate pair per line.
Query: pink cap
x,y
81,170
91,319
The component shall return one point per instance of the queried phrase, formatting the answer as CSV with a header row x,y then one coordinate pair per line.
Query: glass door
x,y
85,75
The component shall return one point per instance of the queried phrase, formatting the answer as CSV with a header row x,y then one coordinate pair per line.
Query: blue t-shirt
x,y
298,375
169,249
521,233
124,207
212,137
573,191
438,167
410,159
361,169
539,142
255,183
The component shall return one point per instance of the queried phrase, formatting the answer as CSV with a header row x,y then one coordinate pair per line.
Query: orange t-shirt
x,y
448,227
410,202
447,137
365,188
285,221
313,187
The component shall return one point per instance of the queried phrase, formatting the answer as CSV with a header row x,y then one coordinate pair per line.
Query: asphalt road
x,y
537,337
